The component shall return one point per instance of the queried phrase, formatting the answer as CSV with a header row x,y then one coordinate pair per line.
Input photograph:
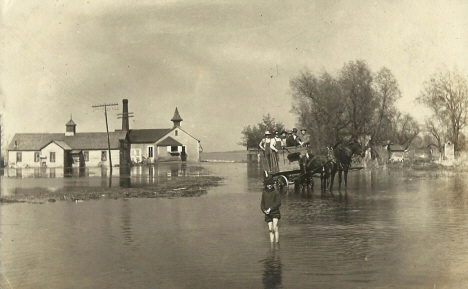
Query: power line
x,y
105,106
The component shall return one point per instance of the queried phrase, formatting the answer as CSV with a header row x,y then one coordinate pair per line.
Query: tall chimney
x,y
125,123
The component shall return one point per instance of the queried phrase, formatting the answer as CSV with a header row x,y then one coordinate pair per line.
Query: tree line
x,y
358,102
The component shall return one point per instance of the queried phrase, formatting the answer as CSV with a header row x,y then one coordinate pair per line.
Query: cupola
x,y
176,119
70,127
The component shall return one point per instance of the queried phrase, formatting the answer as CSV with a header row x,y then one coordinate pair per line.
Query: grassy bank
x,y
164,188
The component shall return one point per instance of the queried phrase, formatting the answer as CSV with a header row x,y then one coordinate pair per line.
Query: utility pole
x,y
105,106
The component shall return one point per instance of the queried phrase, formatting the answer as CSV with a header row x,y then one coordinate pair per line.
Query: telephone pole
x,y
105,106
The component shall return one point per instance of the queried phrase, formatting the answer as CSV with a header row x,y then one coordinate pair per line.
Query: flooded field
x,y
391,229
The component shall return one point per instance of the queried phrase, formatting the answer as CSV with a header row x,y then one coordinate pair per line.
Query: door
x,y
183,154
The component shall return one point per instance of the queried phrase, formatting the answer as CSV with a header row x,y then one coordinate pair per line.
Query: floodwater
x,y
391,229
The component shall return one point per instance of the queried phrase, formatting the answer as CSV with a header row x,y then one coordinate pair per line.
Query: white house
x,y
69,149
170,144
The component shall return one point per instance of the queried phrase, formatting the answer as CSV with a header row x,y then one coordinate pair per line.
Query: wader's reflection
x,y
272,276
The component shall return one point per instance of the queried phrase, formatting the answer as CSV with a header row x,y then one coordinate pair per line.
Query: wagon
x,y
284,166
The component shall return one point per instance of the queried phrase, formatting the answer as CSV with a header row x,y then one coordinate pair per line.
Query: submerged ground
x,y
393,228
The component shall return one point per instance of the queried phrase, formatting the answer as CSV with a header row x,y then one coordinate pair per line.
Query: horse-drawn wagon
x,y
291,165
284,166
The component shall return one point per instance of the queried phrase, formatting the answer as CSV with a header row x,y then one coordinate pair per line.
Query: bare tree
x,y
436,132
405,129
387,93
318,104
359,97
446,95
353,104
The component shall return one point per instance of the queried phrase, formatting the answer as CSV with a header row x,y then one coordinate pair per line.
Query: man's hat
x,y
303,129
267,132
294,129
290,132
284,132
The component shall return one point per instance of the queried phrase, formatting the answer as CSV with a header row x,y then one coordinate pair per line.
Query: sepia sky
x,y
222,63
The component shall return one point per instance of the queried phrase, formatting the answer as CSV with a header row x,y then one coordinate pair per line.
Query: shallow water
x,y
392,229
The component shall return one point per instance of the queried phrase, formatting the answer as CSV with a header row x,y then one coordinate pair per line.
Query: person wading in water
x,y
270,204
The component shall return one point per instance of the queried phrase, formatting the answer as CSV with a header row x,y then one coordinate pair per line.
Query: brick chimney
x,y
125,123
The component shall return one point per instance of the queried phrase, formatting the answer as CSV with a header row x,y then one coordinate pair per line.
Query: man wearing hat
x,y
293,140
305,137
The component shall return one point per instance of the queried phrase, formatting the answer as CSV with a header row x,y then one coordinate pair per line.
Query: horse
x,y
311,165
343,153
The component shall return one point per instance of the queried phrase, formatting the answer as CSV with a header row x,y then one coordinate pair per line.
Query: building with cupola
x,y
163,144
91,149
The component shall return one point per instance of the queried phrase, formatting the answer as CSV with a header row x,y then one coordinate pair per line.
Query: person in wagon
x,y
293,140
290,141
278,141
305,137
267,145
270,204
283,138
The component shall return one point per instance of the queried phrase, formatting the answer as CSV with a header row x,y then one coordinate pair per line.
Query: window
x,y
19,157
103,156
86,156
36,156
150,152
52,157
176,132
174,148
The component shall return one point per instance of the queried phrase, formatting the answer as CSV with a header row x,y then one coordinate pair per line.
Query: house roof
x,y
79,141
147,135
169,141
61,144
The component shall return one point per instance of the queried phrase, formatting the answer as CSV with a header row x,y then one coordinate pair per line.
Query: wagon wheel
x,y
282,182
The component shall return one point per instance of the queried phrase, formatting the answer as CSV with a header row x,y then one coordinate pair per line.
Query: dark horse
x,y
343,153
318,164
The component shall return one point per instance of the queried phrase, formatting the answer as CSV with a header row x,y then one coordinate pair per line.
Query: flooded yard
x,y
393,228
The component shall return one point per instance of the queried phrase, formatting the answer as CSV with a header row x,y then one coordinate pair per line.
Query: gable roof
x,y
60,143
169,141
147,135
187,133
79,141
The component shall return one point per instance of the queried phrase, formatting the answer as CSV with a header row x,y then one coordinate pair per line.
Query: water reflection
x,y
396,232
272,273
52,179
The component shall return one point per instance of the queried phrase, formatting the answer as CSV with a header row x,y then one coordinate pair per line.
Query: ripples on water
x,y
391,229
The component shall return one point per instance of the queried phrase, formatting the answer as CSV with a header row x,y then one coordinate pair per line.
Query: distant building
x,y
72,149
69,149
158,145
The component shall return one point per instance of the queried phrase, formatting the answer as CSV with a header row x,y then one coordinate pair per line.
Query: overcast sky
x,y
222,63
